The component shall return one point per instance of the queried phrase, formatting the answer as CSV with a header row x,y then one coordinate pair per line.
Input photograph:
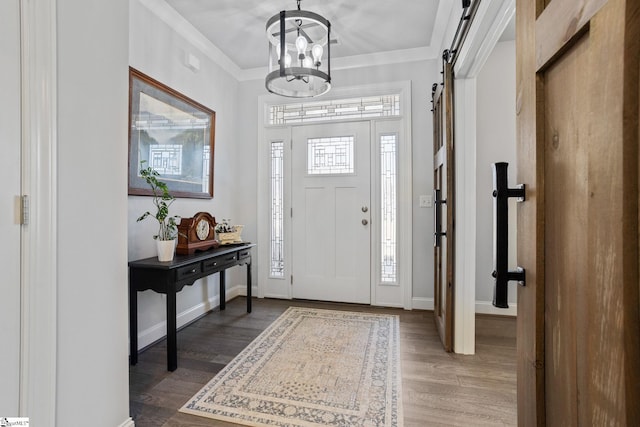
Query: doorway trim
x,y
405,174
39,237
491,19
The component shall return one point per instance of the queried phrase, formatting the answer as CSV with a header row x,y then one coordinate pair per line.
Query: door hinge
x,y
24,210
291,213
292,279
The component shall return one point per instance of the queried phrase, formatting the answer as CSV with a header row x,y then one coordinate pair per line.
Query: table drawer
x,y
245,253
220,262
188,271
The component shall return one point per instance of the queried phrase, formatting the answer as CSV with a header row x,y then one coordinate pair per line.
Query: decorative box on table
x,y
229,234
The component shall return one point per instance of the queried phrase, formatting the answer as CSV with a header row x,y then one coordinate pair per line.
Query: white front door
x,y
331,215
9,215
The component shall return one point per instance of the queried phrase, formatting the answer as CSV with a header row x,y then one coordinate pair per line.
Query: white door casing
x,y
398,294
331,220
10,141
39,237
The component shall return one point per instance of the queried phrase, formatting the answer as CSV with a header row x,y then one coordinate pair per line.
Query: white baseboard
x,y
128,423
159,330
486,307
482,307
241,290
420,303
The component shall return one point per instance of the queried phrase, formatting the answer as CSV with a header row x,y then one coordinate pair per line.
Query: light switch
x,y
426,201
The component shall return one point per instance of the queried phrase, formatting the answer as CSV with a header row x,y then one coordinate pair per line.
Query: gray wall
x,y
158,51
496,133
92,86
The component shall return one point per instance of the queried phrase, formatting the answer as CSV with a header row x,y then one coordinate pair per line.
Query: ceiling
x,y
364,28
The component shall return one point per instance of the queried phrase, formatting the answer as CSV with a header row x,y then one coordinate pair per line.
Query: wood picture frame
x,y
173,134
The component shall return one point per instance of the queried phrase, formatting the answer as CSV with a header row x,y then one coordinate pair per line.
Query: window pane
x,y
319,111
277,209
388,178
330,156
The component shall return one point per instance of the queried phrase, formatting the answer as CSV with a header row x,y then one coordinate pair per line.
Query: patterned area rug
x,y
311,367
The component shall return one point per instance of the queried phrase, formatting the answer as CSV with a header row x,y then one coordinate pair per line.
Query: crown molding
x,y
173,19
180,25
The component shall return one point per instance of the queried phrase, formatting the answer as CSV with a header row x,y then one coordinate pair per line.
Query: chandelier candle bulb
x,y
317,52
301,45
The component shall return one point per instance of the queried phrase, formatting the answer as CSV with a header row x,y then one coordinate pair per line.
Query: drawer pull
x,y
194,270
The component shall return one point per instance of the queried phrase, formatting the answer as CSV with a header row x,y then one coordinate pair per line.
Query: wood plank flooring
x,y
439,388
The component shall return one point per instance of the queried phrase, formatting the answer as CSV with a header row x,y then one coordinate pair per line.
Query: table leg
x,y
249,287
172,341
223,290
133,325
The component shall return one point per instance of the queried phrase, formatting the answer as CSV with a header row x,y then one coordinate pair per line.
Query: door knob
x,y
365,222
364,209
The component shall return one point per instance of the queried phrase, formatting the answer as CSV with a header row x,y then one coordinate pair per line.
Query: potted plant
x,y
162,199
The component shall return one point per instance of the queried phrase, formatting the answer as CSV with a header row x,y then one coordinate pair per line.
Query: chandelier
x,y
298,40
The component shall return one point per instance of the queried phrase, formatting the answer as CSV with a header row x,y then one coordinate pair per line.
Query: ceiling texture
x,y
368,32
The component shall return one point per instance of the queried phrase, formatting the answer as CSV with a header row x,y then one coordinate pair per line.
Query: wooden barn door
x,y
577,131
443,161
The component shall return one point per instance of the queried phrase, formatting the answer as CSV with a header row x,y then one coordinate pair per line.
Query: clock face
x,y
202,229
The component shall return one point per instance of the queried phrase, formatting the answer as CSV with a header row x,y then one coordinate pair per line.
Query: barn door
x,y
577,130
443,161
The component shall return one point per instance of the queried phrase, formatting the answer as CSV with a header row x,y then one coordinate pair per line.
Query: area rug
x,y
311,367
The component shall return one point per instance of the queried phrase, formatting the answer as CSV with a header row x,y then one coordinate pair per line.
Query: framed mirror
x,y
173,134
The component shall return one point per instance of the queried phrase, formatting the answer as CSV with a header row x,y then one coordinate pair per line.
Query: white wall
x,y
92,86
158,51
421,74
495,136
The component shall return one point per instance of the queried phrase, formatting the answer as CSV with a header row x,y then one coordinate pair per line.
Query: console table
x,y
170,277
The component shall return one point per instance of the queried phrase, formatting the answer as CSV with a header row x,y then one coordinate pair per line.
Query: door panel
x,y
330,228
443,161
9,214
578,315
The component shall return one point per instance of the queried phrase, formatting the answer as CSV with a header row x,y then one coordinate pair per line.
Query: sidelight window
x,y
277,209
388,208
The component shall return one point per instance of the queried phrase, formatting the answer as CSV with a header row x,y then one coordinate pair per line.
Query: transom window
x,y
353,108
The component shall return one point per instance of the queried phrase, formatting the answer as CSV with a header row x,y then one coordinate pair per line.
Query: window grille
x,y
277,209
353,108
330,156
389,203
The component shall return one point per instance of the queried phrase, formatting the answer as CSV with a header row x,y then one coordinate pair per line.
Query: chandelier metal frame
x,y
309,76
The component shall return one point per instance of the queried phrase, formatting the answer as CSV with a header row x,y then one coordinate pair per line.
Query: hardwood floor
x,y
439,389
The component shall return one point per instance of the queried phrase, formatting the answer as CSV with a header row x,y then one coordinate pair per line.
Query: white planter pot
x,y
166,249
